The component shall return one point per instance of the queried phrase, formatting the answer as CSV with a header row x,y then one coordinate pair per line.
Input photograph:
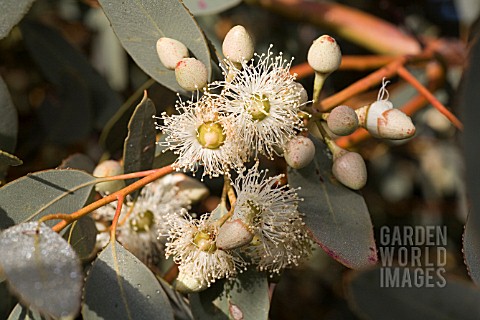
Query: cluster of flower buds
x,y
191,74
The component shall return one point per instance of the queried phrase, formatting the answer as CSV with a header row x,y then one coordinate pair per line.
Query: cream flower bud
x,y
384,121
233,234
324,55
170,52
299,152
238,45
191,74
188,280
109,168
349,168
342,121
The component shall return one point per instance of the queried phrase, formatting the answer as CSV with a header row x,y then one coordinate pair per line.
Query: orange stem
x,y
156,174
407,76
118,211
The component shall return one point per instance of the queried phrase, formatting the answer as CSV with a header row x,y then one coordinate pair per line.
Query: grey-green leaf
x,y
23,313
204,7
119,286
456,300
469,97
42,269
139,147
11,12
337,216
140,23
41,193
82,235
78,161
179,303
9,118
9,159
243,297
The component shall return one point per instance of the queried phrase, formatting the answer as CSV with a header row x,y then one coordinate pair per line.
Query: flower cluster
x,y
254,111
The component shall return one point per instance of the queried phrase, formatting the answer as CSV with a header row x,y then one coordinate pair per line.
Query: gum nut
x,y
350,170
395,125
342,121
188,283
170,52
303,96
324,55
238,45
299,152
233,234
191,74
109,168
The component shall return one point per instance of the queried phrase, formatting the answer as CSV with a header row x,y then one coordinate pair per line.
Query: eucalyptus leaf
x,y
41,193
78,161
7,301
337,216
179,303
469,97
9,118
42,269
163,156
139,147
140,23
11,12
9,159
119,286
55,56
82,236
23,313
243,297
204,7
456,300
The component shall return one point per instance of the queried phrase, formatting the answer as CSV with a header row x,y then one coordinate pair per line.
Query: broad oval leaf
x,y
119,286
456,300
42,269
470,95
337,216
243,297
54,56
82,236
204,7
140,23
41,193
11,12
9,118
23,313
9,159
139,147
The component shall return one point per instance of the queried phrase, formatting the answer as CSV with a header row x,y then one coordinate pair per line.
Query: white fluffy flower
x,y
201,135
272,214
264,100
143,220
191,242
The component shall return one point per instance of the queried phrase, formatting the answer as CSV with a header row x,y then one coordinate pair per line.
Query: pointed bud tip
x,y
170,52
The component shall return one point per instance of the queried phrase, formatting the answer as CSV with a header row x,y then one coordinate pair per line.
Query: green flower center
x,y
142,222
210,135
204,242
258,107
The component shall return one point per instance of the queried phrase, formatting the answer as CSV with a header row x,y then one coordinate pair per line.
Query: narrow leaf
x,y
119,286
140,23
9,118
204,7
139,147
469,97
371,299
11,12
244,297
9,159
180,305
81,235
41,193
337,216
42,269
54,55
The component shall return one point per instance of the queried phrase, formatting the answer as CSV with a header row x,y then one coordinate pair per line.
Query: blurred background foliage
x,y
68,76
